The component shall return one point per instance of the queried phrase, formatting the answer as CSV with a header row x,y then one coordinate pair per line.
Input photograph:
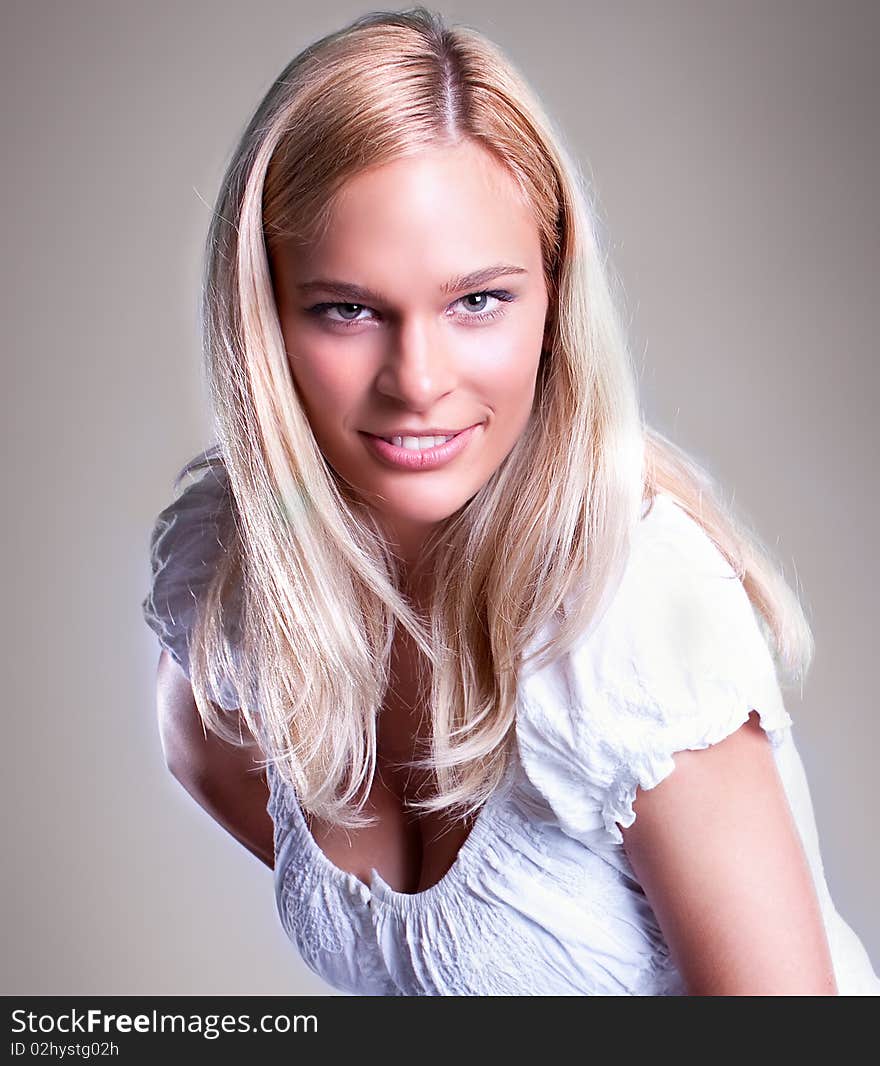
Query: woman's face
x,y
419,313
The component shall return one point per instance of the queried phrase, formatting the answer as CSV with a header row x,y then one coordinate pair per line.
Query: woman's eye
x,y
347,310
481,312
475,305
480,297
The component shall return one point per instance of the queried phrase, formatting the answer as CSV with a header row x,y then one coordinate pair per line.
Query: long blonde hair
x,y
546,539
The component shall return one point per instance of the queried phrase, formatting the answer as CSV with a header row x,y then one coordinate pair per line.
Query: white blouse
x,y
541,899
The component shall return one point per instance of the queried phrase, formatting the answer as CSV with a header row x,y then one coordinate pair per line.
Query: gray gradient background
x,y
734,147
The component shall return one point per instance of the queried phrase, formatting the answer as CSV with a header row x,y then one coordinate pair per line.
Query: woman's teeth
x,y
417,443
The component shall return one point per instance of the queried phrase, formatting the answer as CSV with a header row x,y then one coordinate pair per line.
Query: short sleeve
x,y
185,547
678,662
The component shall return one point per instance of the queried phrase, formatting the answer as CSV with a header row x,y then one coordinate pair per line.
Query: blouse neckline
x,y
354,888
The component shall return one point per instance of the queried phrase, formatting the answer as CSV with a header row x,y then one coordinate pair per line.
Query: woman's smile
x,y
421,453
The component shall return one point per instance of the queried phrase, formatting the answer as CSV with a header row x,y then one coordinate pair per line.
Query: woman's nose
x,y
419,366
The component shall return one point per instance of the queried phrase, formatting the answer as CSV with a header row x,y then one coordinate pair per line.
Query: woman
x,y
470,665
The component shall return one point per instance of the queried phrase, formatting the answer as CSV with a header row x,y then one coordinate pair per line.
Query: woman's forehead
x,y
441,213
465,166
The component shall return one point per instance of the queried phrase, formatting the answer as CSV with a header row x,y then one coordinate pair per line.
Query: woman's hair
x,y
542,544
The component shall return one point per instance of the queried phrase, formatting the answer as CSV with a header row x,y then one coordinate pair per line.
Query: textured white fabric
x,y
185,543
541,899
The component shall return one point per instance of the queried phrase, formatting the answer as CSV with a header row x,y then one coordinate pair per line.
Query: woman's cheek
x,y
318,373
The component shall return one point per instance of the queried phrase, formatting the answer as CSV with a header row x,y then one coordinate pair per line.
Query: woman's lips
x,y
417,459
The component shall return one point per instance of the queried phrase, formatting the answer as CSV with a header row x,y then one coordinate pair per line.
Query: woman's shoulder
x,y
680,595
669,533
678,609
677,661
188,538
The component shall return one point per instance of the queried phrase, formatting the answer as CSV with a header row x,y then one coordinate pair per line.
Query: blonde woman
x,y
475,660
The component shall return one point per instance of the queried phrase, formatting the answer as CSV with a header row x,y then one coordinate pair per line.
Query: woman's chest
x,y
411,849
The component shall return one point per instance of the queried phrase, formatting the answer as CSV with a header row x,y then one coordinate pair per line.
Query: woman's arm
x,y
221,778
719,856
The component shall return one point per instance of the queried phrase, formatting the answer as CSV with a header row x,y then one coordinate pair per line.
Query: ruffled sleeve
x,y
185,547
678,662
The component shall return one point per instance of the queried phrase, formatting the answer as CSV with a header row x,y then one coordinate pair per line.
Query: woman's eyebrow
x,y
360,294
